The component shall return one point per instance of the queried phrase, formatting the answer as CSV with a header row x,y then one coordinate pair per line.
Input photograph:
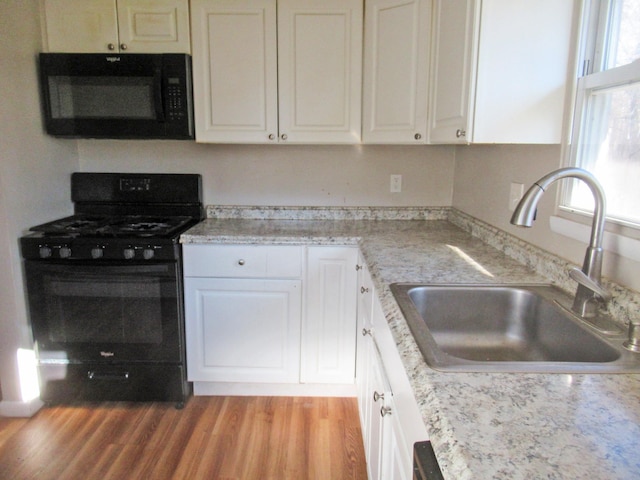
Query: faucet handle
x,y
633,342
583,279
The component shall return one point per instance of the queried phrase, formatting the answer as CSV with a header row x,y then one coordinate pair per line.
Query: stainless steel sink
x,y
507,328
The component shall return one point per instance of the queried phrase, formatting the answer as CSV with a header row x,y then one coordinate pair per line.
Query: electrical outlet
x,y
396,184
515,194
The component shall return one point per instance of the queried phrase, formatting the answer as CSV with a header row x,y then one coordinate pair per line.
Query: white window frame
x,y
593,76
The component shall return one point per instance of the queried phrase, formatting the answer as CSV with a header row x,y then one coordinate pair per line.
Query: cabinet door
x,y
396,60
329,327
397,458
79,26
235,80
320,70
380,397
241,330
453,69
154,26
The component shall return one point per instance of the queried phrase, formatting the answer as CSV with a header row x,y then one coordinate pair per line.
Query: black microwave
x,y
87,95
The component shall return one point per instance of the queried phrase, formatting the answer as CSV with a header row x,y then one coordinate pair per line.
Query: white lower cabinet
x,y
329,324
390,419
296,320
265,314
243,330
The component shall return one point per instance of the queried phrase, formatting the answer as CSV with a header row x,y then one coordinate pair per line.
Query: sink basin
x,y
507,328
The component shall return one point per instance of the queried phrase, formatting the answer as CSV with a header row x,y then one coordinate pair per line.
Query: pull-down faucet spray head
x,y
525,212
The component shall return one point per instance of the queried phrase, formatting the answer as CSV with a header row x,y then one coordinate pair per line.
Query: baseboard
x,y
20,409
273,389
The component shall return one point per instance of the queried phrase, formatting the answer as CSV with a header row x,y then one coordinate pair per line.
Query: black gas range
x,y
104,288
120,216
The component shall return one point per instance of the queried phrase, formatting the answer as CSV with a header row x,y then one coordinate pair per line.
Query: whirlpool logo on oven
x,y
106,354
113,59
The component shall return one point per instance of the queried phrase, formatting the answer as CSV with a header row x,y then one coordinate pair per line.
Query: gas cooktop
x,y
114,226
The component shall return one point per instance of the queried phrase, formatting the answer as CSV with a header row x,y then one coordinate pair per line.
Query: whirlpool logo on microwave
x,y
106,354
113,59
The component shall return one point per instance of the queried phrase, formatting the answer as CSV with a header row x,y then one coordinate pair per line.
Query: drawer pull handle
x,y
241,262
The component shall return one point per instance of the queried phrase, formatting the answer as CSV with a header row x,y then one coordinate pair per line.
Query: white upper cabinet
x,y
320,70
235,70
285,71
133,26
453,62
81,26
396,61
154,26
499,70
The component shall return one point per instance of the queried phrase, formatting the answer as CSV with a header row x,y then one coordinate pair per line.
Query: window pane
x,y
623,43
610,149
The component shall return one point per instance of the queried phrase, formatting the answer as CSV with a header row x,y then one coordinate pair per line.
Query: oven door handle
x,y
110,376
162,269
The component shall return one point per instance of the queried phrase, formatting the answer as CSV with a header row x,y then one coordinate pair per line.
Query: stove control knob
x,y
65,252
45,252
148,253
97,252
129,253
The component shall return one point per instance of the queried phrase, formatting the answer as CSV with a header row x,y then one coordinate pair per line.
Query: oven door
x,y
105,313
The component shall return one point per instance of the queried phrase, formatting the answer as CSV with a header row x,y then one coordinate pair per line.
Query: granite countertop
x,y
481,425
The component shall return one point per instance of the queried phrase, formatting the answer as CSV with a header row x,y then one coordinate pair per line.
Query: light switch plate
x,y
396,184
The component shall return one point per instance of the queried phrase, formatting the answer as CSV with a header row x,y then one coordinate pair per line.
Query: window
x,y
606,138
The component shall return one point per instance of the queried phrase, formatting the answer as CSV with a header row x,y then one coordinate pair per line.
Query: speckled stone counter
x,y
481,425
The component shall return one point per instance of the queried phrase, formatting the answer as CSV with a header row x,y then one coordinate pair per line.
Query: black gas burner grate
x,y
113,226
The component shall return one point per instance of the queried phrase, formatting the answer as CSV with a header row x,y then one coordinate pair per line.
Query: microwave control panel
x,y
175,94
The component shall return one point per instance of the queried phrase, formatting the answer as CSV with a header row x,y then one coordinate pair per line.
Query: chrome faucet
x,y
590,294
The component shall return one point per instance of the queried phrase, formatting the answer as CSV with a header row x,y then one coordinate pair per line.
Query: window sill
x,y
613,242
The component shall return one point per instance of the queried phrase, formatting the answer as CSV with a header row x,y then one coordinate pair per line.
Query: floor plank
x,y
226,438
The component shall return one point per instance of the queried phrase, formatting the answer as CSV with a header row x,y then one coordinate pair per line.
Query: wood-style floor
x,y
211,438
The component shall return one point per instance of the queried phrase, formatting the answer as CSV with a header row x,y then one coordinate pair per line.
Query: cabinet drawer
x,y
242,261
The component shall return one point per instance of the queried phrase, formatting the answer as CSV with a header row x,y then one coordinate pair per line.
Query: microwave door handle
x,y
158,97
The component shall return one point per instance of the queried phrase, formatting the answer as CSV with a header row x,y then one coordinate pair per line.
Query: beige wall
x,y
481,189
34,175
289,174
359,176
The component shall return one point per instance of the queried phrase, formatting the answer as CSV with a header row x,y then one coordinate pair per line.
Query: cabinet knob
x,y
358,267
272,137
111,46
364,290
384,411
417,136
283,136
241,262
377,396
461,133
366,331
123,46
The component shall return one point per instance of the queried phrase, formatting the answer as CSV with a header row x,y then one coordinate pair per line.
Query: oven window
x,y
101,97
105,310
